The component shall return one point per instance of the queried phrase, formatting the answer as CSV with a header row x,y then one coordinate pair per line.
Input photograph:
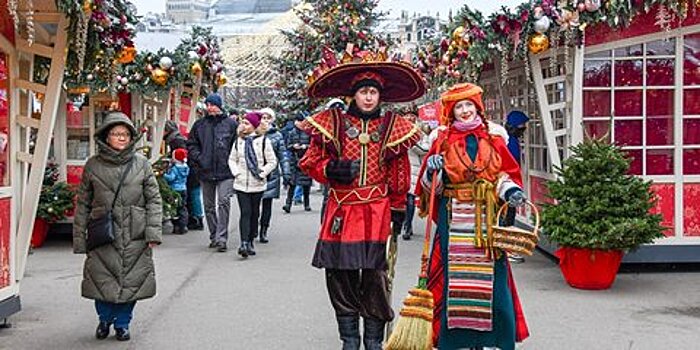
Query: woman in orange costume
x,y
476,303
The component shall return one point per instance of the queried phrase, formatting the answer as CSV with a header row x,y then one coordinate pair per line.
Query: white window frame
x,y
677,178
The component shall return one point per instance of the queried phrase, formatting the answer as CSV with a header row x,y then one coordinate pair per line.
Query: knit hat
x,y
180,154
215,100
253,118
170,126
516,118
459,92
269,111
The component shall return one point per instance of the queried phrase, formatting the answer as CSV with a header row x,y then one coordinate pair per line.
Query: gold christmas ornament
x,y
159,76
221,81
538,43
87,7
127,55
457,34
196,68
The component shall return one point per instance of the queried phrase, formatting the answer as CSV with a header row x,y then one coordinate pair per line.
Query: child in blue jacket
x,y
176,177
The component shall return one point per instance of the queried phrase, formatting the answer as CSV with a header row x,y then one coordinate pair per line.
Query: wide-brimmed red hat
x,y
400,82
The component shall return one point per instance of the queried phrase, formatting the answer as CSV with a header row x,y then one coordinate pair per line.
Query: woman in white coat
x,y
251,160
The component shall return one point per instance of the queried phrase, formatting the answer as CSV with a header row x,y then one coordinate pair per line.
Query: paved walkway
x,y
276,300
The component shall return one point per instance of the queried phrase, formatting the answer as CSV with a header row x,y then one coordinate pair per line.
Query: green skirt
x,y
502,335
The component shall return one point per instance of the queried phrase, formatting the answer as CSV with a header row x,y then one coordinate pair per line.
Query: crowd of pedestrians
x,y
223,156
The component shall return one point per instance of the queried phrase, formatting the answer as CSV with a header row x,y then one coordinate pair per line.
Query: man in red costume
x,y
362,155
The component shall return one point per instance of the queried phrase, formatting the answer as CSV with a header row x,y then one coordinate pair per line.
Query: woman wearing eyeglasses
x,y
118,274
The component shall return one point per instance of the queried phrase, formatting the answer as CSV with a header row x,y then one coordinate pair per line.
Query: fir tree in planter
x,y
599,213
55,203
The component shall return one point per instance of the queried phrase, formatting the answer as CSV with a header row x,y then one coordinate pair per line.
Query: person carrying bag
x,y
100,231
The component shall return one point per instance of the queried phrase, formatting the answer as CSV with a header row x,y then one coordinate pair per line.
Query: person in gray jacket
x,y
116,275
208,147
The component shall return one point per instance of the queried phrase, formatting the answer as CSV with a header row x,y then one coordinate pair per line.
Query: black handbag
x,y
100,231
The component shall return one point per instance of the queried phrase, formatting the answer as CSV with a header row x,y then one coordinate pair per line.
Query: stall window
x,y
691,104
628,96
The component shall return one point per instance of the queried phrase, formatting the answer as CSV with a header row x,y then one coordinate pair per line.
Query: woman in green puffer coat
x,y
116,275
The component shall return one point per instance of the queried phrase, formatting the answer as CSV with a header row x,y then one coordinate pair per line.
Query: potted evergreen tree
x,y
599,212
56,201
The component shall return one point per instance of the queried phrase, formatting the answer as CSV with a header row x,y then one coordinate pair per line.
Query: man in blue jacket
x,y
209,146
515,125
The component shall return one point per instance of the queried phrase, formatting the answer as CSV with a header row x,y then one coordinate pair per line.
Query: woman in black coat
x,y
297,144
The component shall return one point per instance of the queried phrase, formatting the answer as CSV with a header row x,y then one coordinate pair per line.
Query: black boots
x,y
263,234
374,334
407,233
251,248
243,249
195,223
122,334
102,330
246,249
349,329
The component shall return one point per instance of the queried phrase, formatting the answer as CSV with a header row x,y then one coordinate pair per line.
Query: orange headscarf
x,y
459,92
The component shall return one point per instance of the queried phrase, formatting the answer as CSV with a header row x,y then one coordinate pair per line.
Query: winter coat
x,y
122,271
298,177
273,180
209,146
244,181
176,176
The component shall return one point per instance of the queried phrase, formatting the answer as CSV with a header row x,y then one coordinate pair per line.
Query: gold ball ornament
x,y
159,76
221,81
196,68
457,34
87,7
538,43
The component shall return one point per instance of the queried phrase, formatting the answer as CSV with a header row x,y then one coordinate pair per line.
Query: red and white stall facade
x,y
639,87
28,110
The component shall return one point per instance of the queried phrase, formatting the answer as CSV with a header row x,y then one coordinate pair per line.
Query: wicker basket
x,y
514,239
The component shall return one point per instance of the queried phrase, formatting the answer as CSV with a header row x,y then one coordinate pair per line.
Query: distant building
x,y
227,7
187,11
408,31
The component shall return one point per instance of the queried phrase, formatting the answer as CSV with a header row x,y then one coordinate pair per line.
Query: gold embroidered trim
x,y
321,129
404,138
371,196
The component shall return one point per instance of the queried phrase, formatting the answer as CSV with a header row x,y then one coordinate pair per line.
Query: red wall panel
x,y
664,205
5,231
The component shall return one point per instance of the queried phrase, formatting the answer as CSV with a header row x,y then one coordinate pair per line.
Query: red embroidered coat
x,y
357,221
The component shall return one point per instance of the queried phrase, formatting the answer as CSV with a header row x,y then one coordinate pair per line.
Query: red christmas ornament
x,y
444,44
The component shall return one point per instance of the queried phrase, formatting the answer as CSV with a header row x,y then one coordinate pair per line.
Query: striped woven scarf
x,y
470,274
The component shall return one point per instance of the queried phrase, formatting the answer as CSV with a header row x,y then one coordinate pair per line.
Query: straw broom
x,y
414,329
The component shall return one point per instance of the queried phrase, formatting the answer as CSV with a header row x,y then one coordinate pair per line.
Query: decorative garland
x,y
472,41
156,73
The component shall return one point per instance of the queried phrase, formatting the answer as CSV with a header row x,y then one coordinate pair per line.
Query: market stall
x,y
28,107
627,72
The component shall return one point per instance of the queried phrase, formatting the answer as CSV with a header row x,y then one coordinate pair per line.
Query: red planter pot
x,y
589,268
39,232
